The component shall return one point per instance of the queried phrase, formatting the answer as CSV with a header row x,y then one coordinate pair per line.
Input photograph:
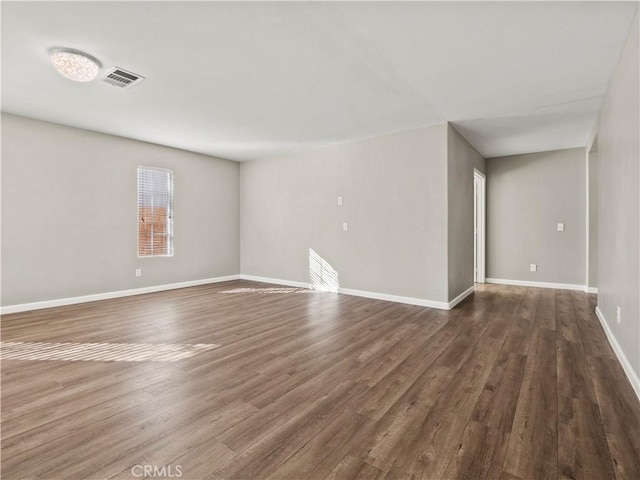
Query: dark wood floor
x,y
515,383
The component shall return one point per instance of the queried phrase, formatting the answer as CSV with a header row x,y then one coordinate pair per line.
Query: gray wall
x,y
69,213
462,159
592,274
527,196
394,192
619,183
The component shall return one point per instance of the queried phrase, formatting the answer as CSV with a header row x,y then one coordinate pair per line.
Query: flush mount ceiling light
x,y
75,65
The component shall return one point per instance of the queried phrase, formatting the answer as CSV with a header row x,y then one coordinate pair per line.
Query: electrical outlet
x,y
138,272
339,201
533,267
618,315
561,227
345,227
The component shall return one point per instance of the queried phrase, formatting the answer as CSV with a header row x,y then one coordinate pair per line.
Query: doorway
x,y
479,225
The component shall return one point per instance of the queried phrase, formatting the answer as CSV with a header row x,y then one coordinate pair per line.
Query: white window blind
x,y
155,212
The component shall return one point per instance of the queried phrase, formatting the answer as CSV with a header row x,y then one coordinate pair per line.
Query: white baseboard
x,y
460,297
349,291
365,294
24,307
395,298
626,365
275,281
591,289
526,283
421,302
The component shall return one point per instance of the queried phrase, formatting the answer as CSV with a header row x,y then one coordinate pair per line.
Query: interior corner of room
x,y
407,197
388,176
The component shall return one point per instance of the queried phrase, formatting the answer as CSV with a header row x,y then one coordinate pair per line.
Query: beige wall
x,y
394,192
69,221
462,159
527,196
408,199
619,203
396,201
594,195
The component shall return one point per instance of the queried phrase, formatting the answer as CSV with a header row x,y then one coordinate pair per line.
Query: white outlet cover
x,y
561,227
345,226
339,201
533,267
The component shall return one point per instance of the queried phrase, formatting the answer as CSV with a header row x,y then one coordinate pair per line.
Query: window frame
x,y
170,226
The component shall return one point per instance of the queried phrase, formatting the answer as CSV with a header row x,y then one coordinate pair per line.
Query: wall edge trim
x,y
622,358
421,302
527,283
59,302
275,281
461,297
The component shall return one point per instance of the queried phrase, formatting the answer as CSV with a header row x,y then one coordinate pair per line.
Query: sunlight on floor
x,y
268,290
101,352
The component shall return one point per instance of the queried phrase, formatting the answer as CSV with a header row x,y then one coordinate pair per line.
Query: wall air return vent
x,y
122,78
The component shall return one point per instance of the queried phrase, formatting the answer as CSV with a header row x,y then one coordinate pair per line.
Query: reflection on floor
x,y
101,352
514,383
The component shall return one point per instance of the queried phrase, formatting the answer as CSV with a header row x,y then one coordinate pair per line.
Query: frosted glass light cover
x,y
75,66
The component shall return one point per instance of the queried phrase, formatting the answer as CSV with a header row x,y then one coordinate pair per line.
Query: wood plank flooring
x,y
515,383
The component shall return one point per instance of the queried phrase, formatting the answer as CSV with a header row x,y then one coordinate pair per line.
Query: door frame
x,y
479,225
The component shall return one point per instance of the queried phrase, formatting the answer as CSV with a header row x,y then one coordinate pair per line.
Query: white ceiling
x,y
252,80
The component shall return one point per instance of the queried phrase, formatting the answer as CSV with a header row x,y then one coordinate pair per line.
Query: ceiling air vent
x,y
121,78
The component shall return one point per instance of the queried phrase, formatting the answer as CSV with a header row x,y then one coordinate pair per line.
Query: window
x,y
155,212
